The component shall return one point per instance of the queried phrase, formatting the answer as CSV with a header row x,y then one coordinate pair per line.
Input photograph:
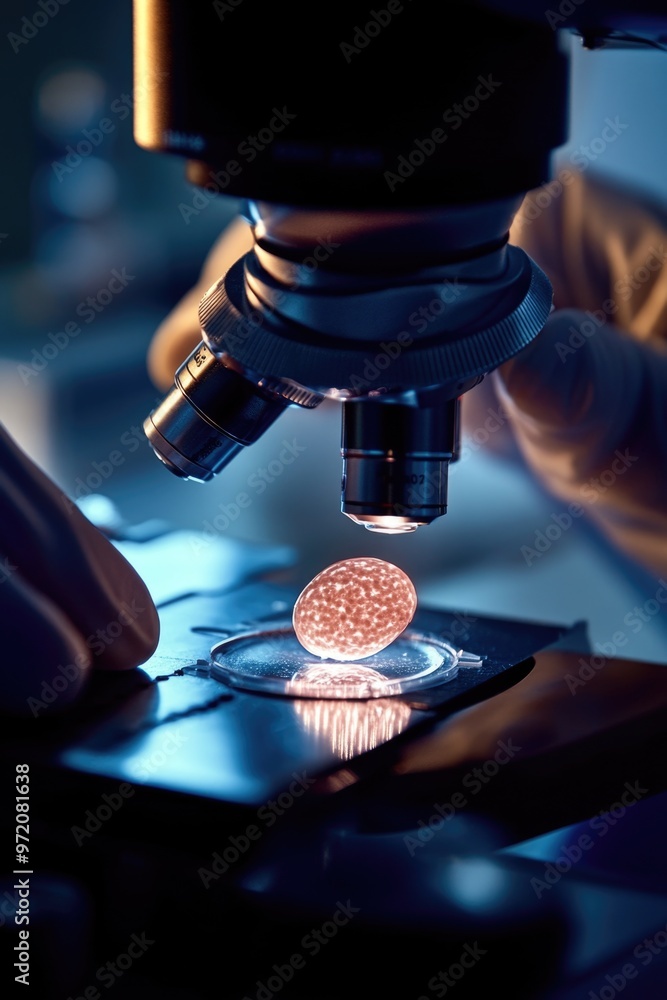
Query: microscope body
x,y
381,165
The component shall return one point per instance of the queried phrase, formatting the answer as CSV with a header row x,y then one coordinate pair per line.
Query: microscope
x,y
382,155
382,159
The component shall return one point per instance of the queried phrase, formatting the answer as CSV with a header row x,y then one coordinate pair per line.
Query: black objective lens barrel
x,y
396,458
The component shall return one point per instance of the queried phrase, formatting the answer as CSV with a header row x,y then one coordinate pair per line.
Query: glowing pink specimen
x,y
354,608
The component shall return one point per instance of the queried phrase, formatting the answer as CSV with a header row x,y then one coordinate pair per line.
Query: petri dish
x,y
273,661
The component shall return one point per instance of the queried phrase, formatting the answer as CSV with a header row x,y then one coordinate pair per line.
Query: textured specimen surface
x,y
354,608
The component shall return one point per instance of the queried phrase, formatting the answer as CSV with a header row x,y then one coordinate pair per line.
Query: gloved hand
x,y
69,601
587,400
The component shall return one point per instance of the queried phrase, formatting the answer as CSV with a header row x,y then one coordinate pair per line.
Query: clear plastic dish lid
x,y
273,661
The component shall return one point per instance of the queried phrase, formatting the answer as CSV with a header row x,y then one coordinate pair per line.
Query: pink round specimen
x,y
354,608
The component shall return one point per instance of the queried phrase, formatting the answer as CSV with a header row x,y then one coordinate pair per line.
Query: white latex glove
x,y
588,398
69,601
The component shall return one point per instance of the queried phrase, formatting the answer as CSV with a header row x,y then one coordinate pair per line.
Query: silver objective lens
x,y
211,413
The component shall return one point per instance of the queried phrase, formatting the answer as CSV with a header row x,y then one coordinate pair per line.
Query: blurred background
x,y
95,251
